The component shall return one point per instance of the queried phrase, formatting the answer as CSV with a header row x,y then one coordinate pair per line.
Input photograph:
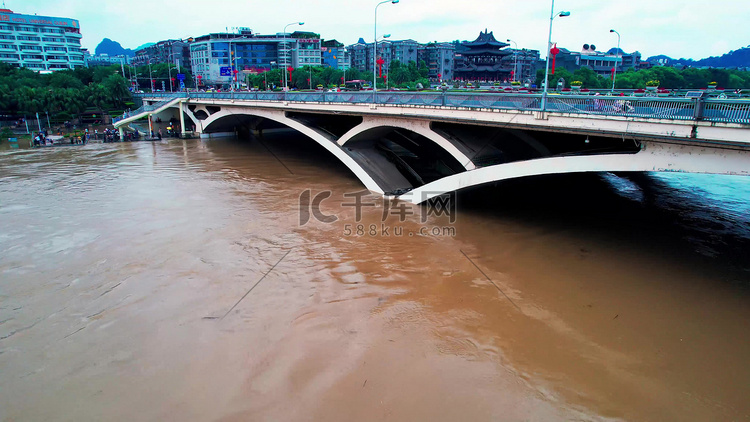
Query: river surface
x,y
176,281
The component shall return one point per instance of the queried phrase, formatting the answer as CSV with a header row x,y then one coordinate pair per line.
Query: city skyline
x,y
683,31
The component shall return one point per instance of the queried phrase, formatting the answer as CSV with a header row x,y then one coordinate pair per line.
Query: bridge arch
x,y
280,117
653,156
420,127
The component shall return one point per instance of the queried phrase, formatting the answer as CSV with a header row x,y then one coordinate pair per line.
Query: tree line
x,y
668,77
311,77
63,94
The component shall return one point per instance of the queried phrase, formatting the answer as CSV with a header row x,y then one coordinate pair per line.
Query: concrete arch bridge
x,y
416,146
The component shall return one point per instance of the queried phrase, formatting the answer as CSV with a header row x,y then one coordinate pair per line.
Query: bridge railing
x,y
713,110
150,107
732,111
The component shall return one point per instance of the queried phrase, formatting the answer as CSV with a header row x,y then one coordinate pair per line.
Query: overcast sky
x,y
677,28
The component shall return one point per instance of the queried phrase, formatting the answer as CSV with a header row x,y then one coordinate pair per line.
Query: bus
x,y
356,85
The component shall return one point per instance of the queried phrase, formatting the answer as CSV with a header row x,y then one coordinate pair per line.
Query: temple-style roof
x,y
486,39
485,52
484,45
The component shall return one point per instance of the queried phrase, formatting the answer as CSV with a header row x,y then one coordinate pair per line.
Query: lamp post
x,y
151,76
286,86
515,59
617,59
375,50
233,61
266,73
552,16
169,67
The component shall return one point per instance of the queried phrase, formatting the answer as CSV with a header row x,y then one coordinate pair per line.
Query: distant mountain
x,y
112,48
148,44
736,58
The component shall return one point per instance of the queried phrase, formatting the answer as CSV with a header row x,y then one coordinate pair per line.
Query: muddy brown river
x,y
174,281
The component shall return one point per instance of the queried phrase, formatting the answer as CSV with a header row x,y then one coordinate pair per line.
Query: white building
x,y
216,57
40,43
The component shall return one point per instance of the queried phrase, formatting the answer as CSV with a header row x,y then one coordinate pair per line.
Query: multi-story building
x,y
440,59
404,51
359,54
105,60
305,49
600,62
217,58
40,43
524,63
334,55
176,52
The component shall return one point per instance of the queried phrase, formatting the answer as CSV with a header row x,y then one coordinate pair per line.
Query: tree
x,y
423,70
117,88
97,96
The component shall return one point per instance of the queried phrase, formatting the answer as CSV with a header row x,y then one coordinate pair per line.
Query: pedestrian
x,y
160,134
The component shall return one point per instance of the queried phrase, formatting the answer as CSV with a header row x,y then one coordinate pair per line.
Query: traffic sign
x,y
225,71
180,76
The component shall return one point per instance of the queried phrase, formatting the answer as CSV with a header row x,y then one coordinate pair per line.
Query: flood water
x,y
174,281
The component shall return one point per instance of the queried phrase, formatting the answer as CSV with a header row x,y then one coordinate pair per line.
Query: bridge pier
x,y
181,109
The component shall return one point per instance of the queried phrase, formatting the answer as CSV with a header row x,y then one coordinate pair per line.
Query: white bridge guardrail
x,y
706,109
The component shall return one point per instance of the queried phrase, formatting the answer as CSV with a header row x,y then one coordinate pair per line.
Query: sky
x,y
678,28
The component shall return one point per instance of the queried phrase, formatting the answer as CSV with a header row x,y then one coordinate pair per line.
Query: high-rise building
x,y
217,58
40,43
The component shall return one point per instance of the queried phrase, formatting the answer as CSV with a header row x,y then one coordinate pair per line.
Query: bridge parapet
x,y
686,109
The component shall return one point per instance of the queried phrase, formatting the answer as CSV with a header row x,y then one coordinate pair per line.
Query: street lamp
x,y
375,50
286,87
617,59
150,75
515,59
169,67
552,16
265,74
233,61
